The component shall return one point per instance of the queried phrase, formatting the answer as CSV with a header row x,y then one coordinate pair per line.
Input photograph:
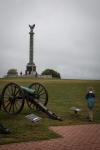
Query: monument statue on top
x,y
31,27
31,68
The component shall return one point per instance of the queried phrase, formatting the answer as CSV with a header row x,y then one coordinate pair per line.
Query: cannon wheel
x,y
42,94
12,98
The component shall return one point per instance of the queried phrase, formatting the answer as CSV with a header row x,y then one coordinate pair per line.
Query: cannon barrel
x,y
30,91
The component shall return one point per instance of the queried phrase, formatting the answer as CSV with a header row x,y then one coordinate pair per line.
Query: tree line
x,y
52,72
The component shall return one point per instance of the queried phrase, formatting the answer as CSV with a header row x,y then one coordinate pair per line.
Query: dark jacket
x,y
90,99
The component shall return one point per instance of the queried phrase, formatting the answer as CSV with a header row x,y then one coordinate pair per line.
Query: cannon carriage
x,y
36,96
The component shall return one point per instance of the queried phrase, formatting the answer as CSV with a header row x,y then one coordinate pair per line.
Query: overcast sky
x,y
66,39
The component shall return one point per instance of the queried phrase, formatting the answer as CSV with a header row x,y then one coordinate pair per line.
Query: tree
x,y
52,72
12,72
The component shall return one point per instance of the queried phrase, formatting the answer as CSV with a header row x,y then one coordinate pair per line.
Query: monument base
x,y
30,69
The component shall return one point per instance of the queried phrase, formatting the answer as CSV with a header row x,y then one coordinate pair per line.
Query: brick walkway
x,y
76,137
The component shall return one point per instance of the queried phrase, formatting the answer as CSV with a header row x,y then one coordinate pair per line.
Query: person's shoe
x,y
4,130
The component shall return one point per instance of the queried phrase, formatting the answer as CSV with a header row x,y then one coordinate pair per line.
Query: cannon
x,y
36,96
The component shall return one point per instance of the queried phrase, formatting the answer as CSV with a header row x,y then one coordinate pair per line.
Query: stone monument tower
x,y
31,68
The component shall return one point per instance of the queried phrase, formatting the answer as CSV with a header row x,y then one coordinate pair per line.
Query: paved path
x,y
76,137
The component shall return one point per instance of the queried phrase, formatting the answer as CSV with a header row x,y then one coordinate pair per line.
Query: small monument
x,y
31,68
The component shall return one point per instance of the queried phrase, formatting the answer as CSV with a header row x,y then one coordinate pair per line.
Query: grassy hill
x,y
63,94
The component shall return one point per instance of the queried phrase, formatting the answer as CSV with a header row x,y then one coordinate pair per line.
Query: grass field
x,y
63,94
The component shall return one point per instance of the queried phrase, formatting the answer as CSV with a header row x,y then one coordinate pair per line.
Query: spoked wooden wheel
x,y
41,92
12,98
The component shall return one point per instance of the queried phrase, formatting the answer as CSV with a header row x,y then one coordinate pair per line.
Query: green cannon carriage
x,y
36,95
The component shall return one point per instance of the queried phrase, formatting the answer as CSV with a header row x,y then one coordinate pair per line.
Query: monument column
x,y
31,68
